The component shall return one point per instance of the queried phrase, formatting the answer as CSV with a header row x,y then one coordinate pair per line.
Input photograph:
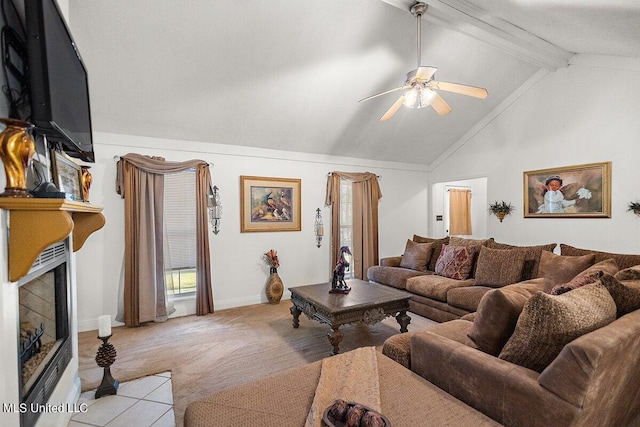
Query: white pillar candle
x,y
104,325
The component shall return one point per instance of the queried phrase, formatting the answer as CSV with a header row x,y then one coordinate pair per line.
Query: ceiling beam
x,y
468,19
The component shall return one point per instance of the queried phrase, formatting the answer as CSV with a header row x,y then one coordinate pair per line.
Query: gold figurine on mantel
x,y
16,150
86,182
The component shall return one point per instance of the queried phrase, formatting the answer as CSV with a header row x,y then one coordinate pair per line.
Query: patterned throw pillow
x,y
576,282
531,257
499,267
416,255
549,322
455,262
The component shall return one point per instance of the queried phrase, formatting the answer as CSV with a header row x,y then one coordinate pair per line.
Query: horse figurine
x,y
338,285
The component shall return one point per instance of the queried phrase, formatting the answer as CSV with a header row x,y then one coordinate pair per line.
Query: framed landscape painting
x,y
269,204
582,191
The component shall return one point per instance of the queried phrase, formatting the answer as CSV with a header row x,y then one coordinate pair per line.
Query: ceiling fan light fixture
x,y
419,89
418,96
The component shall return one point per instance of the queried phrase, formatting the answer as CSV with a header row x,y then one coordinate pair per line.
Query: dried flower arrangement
x,y
271,258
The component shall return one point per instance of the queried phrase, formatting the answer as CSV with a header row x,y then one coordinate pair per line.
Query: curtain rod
x,y
117,158
331,173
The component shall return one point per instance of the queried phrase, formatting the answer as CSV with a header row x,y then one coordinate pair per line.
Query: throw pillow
x,y
609,266
576,282
499,267
549,322
631,273
416,255
437,247
627,298
496,318
557,269
531,258
455,262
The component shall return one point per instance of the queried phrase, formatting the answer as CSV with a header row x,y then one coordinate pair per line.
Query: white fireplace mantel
x,y
32,225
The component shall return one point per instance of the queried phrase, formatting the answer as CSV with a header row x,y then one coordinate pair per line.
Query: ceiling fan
x,y
420,87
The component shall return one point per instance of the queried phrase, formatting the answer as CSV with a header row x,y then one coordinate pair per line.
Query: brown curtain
x,y
140,181
366,193
459,212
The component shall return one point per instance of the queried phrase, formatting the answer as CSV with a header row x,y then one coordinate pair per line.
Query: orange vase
x,y
16,149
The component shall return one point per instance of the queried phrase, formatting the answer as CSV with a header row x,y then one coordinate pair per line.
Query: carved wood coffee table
x,y
367,303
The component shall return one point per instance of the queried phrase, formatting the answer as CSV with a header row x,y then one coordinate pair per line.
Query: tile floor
x,y
145,402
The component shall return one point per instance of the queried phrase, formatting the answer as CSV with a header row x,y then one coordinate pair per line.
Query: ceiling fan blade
x,y
440,105
384,93
425,73
392,110
476,92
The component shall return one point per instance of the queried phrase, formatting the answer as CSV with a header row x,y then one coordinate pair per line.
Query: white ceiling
x,y
288,74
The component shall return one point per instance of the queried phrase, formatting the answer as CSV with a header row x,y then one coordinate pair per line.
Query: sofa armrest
x,y
393,261
508,393
599,368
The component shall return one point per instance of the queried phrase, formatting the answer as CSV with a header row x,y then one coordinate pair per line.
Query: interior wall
x,y
585,113
239,273
439,198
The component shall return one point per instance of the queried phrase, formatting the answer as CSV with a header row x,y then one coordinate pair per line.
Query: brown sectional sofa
x,y
530,358
466,372
441,298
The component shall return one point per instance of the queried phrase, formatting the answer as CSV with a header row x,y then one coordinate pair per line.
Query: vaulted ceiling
x,y
288,74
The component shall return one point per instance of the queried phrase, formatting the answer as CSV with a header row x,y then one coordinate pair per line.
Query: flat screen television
x,y
58,82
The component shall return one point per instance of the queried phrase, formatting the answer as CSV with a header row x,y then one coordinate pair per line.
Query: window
x,y
346,219
180,232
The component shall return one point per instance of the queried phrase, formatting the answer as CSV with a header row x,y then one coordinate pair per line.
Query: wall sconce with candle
x,y
215,211
318,228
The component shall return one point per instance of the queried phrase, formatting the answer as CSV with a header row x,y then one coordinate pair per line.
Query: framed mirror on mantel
x,y
42,222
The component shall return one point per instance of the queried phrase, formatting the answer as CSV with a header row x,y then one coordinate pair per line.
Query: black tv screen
x,y
58,81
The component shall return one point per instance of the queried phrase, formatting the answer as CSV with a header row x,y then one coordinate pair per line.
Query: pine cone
x,y
106,355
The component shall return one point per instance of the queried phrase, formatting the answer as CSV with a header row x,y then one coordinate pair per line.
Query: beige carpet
x,y
227,348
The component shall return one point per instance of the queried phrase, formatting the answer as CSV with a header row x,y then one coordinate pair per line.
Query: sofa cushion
x,y
548,322
631,273
497,316
416,255
437,247
626,294
558,269
623,260
499,267
392,276
531,257
467,297
455,262
434,286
